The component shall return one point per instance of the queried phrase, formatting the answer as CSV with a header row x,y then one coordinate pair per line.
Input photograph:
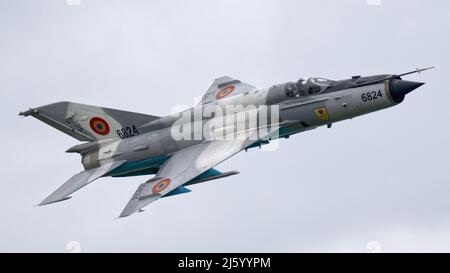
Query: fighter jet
x,y
184,149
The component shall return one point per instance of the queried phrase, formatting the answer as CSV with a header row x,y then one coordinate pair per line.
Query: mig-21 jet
x,y
184,149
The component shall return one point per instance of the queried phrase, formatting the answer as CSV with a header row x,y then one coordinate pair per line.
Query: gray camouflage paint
x,y
303,105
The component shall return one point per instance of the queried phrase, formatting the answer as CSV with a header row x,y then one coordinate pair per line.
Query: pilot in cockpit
x,y
311,86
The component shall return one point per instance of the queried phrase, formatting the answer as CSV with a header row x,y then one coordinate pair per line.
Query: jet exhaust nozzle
x,y
400,88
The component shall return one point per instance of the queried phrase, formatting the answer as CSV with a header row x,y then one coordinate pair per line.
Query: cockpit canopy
x,y
311,86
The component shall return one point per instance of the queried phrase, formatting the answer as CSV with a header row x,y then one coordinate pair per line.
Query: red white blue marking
x,y
99,126
161,185
225,92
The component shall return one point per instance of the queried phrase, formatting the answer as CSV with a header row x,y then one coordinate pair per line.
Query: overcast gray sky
x,y
383,177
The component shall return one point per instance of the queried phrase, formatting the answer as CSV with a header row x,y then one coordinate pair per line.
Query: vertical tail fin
x,y
90,123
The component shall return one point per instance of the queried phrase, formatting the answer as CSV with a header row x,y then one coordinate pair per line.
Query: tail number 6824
x,y
372,95
127,132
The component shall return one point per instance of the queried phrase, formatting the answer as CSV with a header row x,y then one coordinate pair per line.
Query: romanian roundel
x,y
161,185
99,126
225,92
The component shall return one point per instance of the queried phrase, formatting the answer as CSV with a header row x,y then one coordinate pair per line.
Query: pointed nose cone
x,y
400,88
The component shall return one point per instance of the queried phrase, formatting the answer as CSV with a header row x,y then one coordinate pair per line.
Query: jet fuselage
x,y
316,103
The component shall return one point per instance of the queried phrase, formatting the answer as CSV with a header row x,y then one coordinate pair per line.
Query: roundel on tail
x,y
99,126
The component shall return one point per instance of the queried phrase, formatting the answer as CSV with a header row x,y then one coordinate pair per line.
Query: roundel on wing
x,y
99,126
225,92
161,185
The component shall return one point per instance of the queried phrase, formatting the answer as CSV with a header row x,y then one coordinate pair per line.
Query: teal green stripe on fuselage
x,y
288,131
151,165
139,167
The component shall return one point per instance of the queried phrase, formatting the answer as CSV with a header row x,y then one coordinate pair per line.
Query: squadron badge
x,y
322,113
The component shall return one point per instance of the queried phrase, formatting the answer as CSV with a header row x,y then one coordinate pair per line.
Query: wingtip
x,y
123,215
48,202
127,212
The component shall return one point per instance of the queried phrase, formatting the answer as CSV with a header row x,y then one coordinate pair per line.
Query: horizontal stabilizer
x,y
78,181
